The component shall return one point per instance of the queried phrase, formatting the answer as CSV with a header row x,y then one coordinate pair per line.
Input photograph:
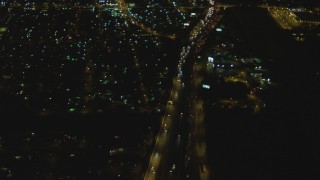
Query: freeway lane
x,y
166,137
198,139
198,167
198,142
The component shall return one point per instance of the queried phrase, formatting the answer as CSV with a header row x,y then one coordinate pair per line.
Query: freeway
x,y
170,157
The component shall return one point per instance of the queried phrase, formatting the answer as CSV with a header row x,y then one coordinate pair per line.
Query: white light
x,y
210,59
205,86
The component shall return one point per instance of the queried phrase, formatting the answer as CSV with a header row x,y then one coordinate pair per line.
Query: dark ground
x,y
282,141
